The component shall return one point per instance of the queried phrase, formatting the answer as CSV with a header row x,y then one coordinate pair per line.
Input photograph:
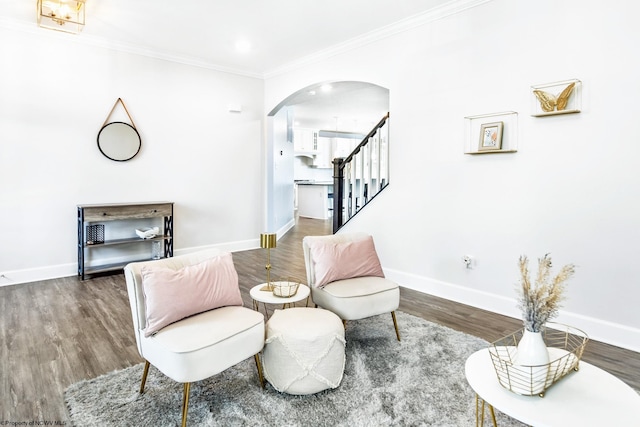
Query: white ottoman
x,y
304,350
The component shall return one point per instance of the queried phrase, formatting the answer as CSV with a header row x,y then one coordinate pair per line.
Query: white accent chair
x,y
199,346
354,298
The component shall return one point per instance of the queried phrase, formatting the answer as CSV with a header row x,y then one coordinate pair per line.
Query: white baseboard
x,y
240,245
28,275
288,226
37,274
597,329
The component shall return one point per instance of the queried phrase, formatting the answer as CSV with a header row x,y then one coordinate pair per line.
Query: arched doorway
x,y
295,151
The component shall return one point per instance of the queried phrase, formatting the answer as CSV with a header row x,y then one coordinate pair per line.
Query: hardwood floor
x,y
57,332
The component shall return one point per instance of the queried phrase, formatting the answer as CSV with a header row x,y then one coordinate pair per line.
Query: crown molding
x,y
83,38
167,56
448,9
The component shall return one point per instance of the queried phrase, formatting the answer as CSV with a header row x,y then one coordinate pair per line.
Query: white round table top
x,y
267,296
588,397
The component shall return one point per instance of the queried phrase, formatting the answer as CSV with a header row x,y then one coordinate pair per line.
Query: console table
x,y
588,397
107,215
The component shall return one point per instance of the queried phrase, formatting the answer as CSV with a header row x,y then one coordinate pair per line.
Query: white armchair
x,y
345,277
200,345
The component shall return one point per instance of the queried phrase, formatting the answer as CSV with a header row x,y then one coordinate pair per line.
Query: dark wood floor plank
x,y
57,332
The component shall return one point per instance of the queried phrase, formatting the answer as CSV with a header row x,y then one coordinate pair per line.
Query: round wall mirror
x,y
119,141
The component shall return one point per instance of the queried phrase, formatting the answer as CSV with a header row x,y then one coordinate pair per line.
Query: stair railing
x,y
362,175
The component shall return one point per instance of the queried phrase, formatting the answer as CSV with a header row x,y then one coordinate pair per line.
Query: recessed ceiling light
x,y
243,46
326,88
312,92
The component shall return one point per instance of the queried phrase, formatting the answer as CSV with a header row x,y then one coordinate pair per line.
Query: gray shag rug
x,y
418,381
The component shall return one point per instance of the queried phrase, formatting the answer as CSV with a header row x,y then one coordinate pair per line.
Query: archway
x,y
342,107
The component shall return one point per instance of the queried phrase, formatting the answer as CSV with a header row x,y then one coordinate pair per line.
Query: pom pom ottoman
x,y
304,350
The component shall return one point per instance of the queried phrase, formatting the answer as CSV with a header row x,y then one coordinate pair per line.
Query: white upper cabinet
x,y
323,157
321,150
305,140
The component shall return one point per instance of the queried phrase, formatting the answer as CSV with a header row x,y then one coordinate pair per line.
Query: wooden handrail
x,y
365,140
339,165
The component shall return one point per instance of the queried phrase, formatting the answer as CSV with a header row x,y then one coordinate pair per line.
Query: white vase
x,y
532,359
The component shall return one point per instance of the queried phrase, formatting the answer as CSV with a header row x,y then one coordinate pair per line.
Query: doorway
x,y
306,131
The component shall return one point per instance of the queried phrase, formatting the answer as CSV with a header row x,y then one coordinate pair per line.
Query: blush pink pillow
x,y
337,261
171,295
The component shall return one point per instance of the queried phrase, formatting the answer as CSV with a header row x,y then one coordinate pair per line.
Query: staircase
x,y
362,175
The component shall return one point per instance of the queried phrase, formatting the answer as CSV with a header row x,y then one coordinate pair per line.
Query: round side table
x,y
267,297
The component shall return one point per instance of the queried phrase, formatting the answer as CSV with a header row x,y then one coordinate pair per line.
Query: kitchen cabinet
x,y
313,199
305,140
322,149
330,148
324,155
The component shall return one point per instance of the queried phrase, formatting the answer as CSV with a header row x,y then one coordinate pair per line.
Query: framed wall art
x,y
550,99
490,136
491,133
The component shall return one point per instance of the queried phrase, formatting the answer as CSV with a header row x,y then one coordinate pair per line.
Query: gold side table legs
x,y
480,412
256,306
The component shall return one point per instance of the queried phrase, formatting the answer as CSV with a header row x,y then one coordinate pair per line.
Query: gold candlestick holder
x,y
268,241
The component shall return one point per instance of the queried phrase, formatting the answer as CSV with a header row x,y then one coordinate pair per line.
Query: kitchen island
x,y
313,199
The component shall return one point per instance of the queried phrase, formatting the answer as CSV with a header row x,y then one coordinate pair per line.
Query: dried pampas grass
x,y
540,301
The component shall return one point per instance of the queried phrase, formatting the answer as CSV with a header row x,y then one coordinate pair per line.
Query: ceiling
x,y
339,106
281,35
205,32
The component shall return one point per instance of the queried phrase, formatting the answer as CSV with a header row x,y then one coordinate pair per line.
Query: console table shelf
x,y
108,215
125,241
105,268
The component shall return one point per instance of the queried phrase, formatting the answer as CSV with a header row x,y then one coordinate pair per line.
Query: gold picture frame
x,y
491,136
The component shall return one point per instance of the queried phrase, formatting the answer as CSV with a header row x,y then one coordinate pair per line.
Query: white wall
x,y
55,94
280,178
571,189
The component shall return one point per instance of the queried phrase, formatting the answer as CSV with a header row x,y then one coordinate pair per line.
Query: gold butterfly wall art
x,y
550,102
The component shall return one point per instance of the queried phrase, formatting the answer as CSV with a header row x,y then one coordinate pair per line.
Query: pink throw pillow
x,y
337,261
171,295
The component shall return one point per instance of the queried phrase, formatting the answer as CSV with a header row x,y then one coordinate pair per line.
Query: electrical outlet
x,y
468,261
